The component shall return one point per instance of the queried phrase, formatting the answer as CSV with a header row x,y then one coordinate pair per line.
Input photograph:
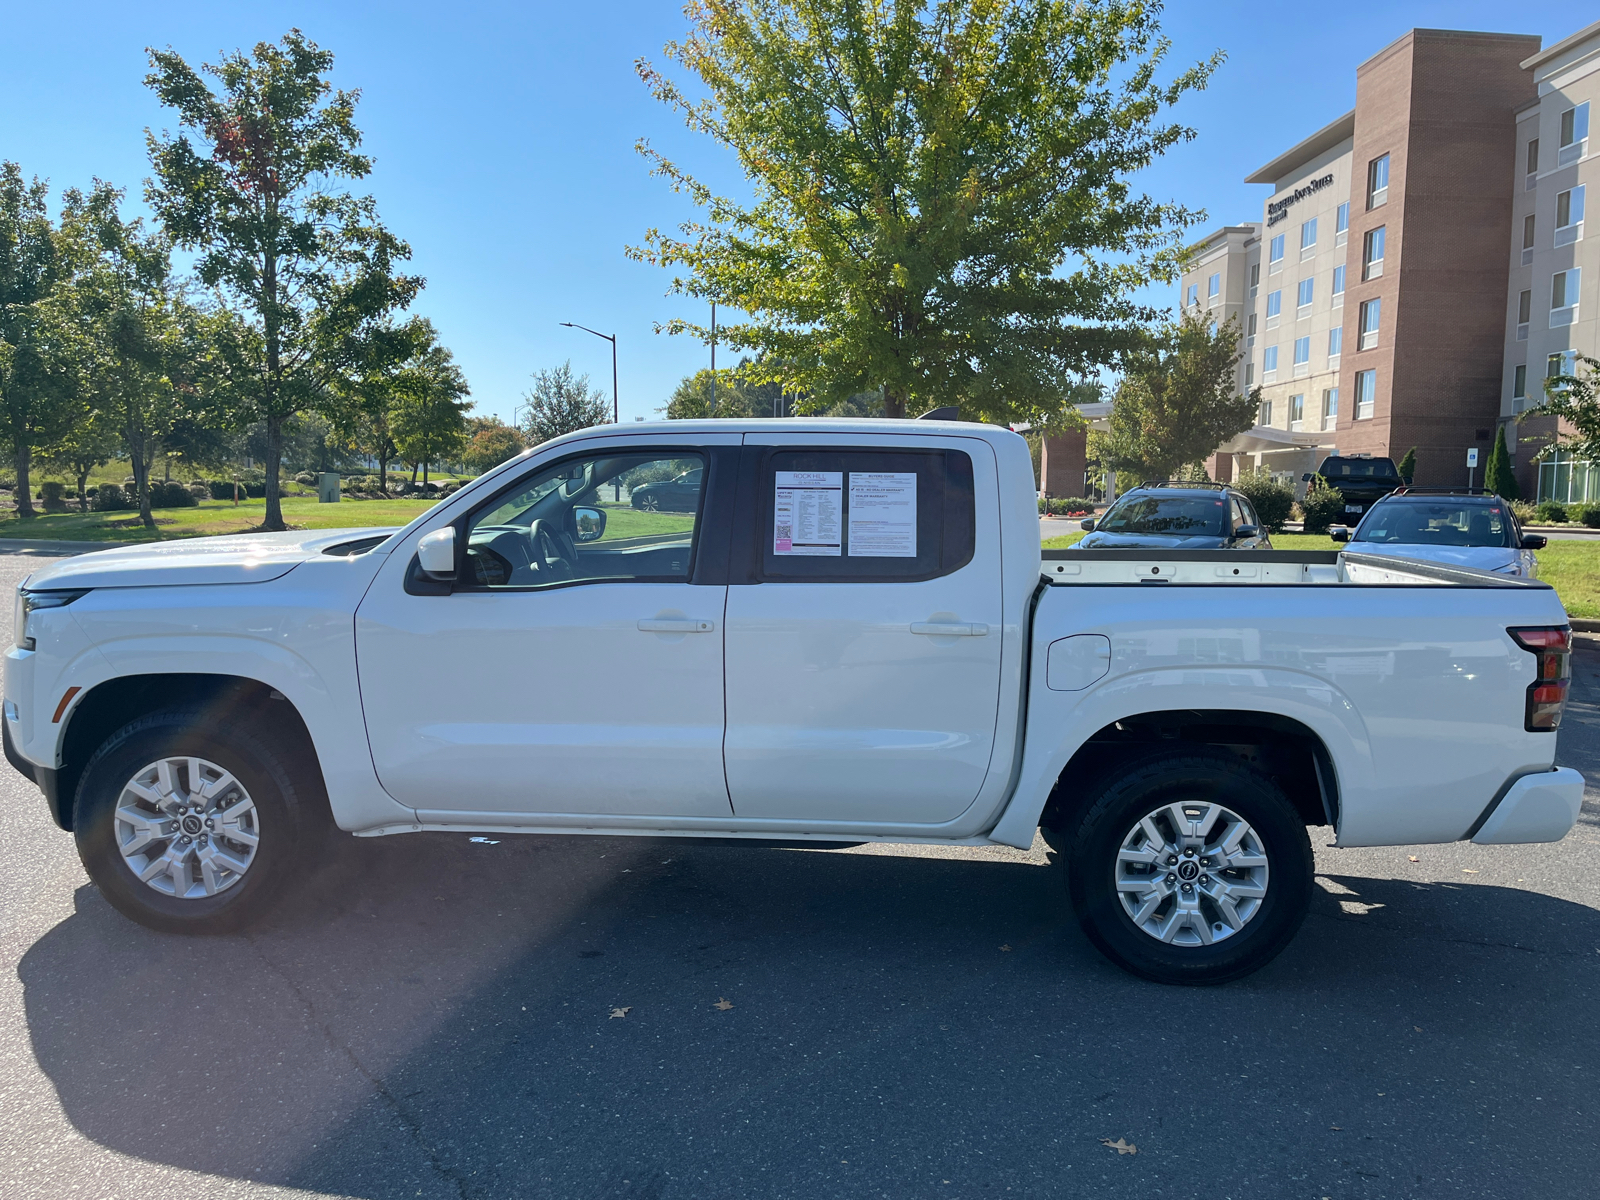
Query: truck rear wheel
x,y
1192,868
190,825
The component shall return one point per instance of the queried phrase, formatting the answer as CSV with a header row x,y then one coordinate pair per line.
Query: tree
x,y
1498,476
39,350
256,195
1178,403
691,399
1575,399
490,442
430,420
942,209
1408,465
91,443
560,402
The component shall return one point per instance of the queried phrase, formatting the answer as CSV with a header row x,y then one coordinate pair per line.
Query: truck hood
x,y
237,558
1164,541
1484,558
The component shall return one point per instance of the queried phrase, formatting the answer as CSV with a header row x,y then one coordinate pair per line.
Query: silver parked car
x,y
1467,527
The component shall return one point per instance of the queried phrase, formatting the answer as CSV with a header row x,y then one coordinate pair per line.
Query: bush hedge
x,y
1323,506
109,497
1587,515
1060,506
1273,497
1551,513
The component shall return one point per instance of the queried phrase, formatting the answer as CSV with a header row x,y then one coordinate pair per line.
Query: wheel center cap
x,y
1188,870
193,825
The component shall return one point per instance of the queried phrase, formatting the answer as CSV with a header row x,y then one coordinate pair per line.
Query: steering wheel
x,y
551,553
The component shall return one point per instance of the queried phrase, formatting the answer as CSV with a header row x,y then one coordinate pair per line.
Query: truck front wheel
x,y
1192,868
190,825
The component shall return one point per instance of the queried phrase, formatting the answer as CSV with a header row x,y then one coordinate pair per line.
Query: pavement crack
x,y
411,1124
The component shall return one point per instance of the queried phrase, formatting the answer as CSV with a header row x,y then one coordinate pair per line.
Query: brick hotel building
x,y
1420,265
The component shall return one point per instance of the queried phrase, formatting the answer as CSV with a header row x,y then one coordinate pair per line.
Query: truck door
x,y
576,664
863,628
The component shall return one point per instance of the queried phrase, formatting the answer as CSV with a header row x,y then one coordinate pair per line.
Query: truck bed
x,y
1274,567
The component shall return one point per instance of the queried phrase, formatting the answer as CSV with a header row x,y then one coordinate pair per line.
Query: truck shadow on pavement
x,y
573,1017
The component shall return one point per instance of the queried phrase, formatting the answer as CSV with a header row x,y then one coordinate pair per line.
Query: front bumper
x,y
47,779
1536,808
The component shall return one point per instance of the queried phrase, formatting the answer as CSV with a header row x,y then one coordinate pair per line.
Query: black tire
x,y
289,821
1200,776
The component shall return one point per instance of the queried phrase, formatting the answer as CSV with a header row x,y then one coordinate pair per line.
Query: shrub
x,y
221,489
306,479
1323,506
1588,514
404,488
109,497
171,494
449,486
1523,510
199,490
1551,513
54,495
1066,506
1273,497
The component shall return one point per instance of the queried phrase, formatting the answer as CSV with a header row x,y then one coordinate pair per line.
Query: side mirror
x,y
436,553
1307,477
589,524
1247,531
1339,533
1087,525
1534,541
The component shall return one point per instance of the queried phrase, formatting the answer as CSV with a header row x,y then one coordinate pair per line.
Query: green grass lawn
x,y
211,517
1572,567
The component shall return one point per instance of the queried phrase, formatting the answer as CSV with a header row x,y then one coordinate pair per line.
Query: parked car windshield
x,y
1358,468
1436,523
1192,516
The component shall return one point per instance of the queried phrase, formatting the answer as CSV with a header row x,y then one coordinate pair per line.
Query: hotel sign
x,y
1279,209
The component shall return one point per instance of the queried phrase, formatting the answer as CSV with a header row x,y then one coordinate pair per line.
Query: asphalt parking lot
x,y
546,1017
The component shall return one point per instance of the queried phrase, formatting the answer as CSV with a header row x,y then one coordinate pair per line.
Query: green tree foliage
x,y
251,183
942,209
92,442
40,340
560,402
1177,402
490,442
430,417
1575,398
692,398
1408,465
1498,476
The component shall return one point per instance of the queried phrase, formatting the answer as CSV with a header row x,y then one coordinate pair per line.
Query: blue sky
x,y
504,140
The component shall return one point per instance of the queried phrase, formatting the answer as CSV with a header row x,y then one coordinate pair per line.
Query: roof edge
x,y
1329,135
1561,47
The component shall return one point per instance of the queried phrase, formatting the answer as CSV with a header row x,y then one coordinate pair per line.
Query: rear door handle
x,y
950,628
682,625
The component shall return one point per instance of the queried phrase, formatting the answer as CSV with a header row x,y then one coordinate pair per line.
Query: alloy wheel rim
x,y
186,827
1191,873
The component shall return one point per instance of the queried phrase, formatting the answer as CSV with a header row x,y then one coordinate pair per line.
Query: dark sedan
x,y
1175,516
681,494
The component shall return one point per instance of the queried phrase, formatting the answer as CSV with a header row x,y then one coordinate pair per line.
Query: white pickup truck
x,y
796,631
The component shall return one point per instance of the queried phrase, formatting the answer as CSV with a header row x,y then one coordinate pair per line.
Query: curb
x,y
1584,624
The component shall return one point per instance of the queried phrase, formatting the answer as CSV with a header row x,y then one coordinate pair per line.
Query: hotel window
x,y
1214,286
1335,343
1378,182
1574,134
1533,165
1341,224
1269,364
1366,394
1338,285
1194,295
1330,407
1264,413
1275,255
1308,239
1569,216
1274,307
1249,374
1528,228
1250,326
1303,299
1371,311
1302,356
1563,362
1255,279
1519,387
1564,297
1372,253
1524,312
1297,412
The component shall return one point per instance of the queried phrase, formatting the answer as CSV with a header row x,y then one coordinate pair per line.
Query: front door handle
x,y
950,628
680,625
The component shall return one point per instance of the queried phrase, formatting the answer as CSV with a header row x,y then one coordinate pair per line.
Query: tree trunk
x,y
424,472
24,486
274,517
414,468
83,493
894,404
383,474
141,481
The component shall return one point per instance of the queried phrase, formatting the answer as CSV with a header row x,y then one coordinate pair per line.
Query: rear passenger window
x,y
862,516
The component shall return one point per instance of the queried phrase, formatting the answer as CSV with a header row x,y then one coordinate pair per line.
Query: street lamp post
x,y
612,338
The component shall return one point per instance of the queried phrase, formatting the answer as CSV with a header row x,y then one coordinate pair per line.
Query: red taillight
x,y
1551,647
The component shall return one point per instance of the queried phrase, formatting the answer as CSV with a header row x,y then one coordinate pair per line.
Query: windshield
x,y
1188,516
1436,523
1358,468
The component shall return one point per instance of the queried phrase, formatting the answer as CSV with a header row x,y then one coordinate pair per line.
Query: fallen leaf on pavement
x,y
1005,947
1413,858
723,1004
1336,1128
1468,871
619,1013
1418,1028
1120,1146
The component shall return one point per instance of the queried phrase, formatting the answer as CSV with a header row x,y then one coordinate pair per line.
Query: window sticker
x,y
806,513
883,514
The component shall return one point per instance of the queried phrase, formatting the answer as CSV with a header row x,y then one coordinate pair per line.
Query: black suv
x,y
1361,481
1181,515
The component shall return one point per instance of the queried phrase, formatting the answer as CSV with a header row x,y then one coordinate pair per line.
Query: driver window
x,y
601,517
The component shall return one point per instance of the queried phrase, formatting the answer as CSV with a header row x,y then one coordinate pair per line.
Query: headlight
x,y
29,602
